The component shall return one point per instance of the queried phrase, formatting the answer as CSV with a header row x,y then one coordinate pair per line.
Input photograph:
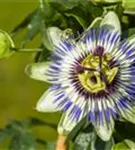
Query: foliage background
x,y
19,93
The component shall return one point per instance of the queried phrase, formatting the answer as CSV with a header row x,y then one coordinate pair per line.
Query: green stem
x,y
26,49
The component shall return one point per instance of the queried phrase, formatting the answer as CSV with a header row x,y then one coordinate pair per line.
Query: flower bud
x,y
6,45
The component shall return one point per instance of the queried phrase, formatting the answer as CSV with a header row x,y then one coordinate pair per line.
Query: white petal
x,y
108,39
67,124
125,51
130,118
39,71
130,115
111,20
91,41
46,102
105,131
131,40
55,35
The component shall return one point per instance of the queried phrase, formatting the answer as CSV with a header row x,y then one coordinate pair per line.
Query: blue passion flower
x,y
92,77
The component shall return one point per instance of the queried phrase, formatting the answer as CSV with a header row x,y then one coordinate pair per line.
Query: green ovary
x,y
92,80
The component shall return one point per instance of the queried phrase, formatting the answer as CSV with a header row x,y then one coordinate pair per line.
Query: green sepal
x,y
124,145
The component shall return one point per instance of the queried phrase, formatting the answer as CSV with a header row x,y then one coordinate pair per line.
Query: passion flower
x,y
92,78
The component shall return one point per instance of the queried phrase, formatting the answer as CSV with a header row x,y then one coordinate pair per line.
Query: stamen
x,y
95,73
80,69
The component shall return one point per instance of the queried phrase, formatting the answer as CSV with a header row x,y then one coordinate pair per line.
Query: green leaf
x,y
99,144
125,145
3,135
43,55
21,135
127,127
83,141
66,4
33,122
119,10
71,145
41,142
87,139
14,127
92,141
52,16
23,141
96,23
33,27
23,24
38,122
72,135
38,20
93,9
50,145
10,129
130,143
60,19
80,15
131,32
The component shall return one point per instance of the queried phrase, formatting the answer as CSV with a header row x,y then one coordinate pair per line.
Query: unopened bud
x,y
6,45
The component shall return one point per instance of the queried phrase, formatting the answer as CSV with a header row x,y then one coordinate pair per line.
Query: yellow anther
x,y
92,80
111,74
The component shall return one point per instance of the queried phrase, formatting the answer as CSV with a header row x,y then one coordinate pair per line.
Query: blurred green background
x,y
19,93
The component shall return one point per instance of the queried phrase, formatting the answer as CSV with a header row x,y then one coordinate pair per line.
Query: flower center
x,y
95,73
